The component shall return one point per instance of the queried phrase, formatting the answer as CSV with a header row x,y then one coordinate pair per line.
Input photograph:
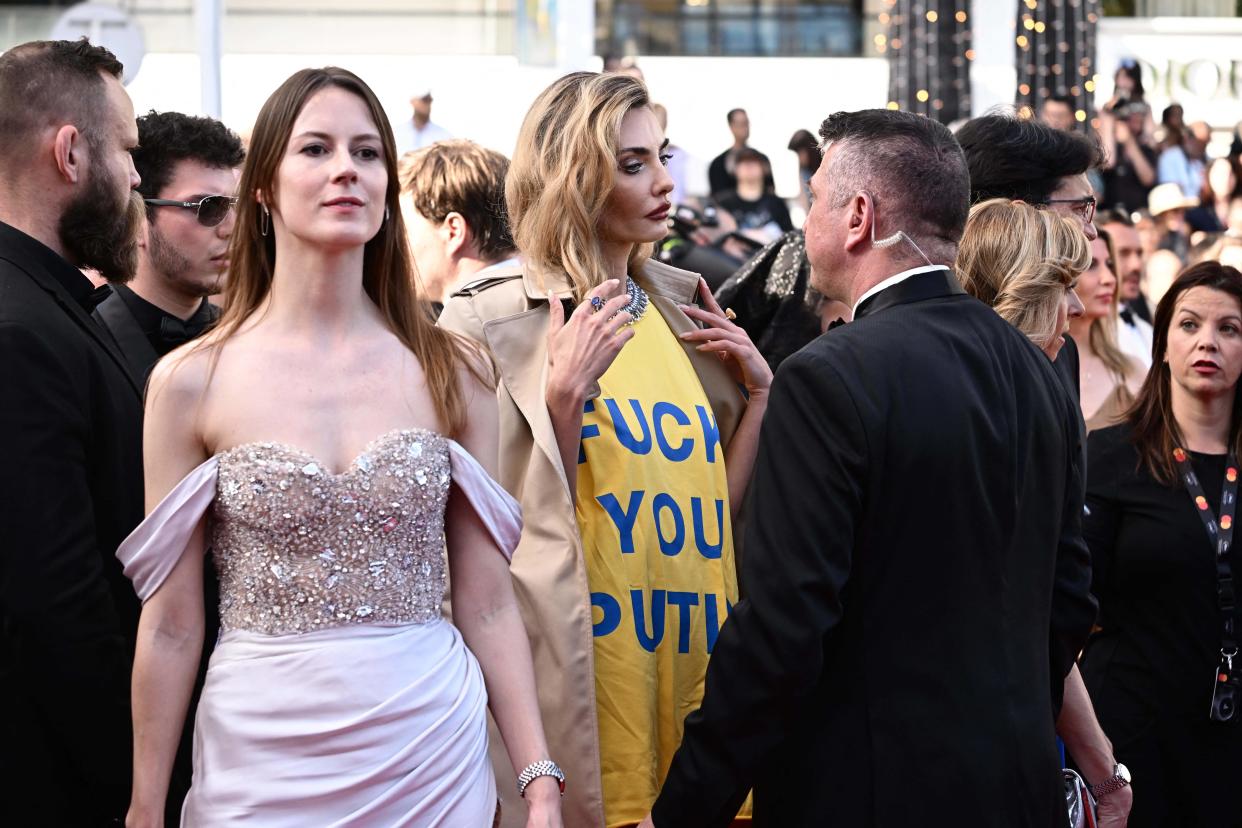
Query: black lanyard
x,y
1221,535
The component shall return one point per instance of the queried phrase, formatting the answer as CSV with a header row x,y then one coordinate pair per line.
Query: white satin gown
x,y
337,694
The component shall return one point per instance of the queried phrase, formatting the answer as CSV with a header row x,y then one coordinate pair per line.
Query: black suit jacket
x,y
888,666
115,314
70,491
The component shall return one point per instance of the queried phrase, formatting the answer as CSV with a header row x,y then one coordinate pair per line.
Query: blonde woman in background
x,y
1025,263
1108,378
629,426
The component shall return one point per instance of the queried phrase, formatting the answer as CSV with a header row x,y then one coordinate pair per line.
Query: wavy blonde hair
x,y
562,173
1021,260
387,269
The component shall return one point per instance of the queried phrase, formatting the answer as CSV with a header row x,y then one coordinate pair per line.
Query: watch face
x,y
1123,772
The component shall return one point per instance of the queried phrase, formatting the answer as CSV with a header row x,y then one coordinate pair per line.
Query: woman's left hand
x,y
728,341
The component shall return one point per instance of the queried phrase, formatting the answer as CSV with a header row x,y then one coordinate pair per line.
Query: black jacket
x,y
70,492
914,529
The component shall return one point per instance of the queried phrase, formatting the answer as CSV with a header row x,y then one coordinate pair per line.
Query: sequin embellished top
x,y
298,548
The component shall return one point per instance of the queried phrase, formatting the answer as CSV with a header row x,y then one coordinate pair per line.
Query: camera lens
x,y
1226,708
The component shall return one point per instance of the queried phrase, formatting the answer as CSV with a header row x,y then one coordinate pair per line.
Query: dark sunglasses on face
x,y
210,211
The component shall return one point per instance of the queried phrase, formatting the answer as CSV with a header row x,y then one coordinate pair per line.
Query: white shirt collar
x,y
895,280
509,262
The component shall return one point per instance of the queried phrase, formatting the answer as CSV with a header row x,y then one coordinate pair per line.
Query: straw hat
x,y
1166,197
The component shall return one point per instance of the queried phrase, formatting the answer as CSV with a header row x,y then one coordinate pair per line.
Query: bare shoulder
x,y
182,375
475,367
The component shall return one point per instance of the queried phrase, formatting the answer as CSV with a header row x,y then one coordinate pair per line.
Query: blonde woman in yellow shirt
x,y
629,420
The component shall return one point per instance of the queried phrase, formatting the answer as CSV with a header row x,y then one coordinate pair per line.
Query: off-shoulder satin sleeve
x,y
152,550
500,513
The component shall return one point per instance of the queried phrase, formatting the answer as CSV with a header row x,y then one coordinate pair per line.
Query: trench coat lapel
x,y
517,344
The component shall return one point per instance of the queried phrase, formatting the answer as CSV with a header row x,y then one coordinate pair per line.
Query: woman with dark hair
x,y
329,430
1161,500
806,147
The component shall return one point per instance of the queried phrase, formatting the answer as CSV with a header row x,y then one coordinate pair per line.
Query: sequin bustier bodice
x,y
298,548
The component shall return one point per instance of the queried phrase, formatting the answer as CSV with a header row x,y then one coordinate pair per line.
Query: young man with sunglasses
x,y
189,168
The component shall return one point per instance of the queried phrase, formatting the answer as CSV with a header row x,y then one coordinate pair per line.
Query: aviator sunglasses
x,y
210,211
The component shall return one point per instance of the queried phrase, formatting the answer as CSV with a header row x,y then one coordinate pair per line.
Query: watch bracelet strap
x,y
1110,785
544,767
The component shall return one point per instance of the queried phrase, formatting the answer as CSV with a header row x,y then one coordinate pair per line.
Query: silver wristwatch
x,y
544,767
1114,783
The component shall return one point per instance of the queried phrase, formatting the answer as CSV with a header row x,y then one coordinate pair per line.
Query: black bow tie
x,y
174,332
836,323
1127,316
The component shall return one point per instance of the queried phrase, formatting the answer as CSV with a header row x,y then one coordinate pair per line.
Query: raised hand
x,y
728,341
581,349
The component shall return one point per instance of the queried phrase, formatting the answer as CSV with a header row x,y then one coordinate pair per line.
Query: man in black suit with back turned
x,y
888,665
70,437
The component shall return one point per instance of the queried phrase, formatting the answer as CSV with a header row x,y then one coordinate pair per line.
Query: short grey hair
x,y
910,164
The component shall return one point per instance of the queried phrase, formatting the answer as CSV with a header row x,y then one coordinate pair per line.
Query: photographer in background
x,y
1129,152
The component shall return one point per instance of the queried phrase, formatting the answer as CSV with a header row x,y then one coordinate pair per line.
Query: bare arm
x,y
1142,167
170,631
1108,135
486,612
1092,751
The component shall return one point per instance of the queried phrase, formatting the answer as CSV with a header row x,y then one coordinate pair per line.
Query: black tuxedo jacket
x,y
70,492
913,530
132,341
114,314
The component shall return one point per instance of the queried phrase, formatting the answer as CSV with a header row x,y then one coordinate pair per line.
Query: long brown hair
x,y
388,274
1153,428
1103,331
563,171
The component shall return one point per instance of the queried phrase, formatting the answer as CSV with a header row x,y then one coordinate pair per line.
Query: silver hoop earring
x,y
265,221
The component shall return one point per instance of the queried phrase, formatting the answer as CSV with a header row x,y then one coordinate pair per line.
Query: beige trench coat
x,y
507,311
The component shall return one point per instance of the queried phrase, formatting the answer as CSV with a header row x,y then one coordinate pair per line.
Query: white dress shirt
x,y
1135,340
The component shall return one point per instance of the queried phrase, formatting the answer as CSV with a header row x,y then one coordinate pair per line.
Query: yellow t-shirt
x,y
653,507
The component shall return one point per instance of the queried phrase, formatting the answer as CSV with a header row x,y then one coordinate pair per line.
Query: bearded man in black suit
x,y
70,437
916,493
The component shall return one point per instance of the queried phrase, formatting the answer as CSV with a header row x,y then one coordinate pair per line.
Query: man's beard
x,y
173,265
100,230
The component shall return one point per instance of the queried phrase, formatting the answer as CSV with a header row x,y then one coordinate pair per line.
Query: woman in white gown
x,y
306,442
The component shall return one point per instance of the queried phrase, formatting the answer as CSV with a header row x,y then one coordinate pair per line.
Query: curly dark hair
x,y
167,138
1020,158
